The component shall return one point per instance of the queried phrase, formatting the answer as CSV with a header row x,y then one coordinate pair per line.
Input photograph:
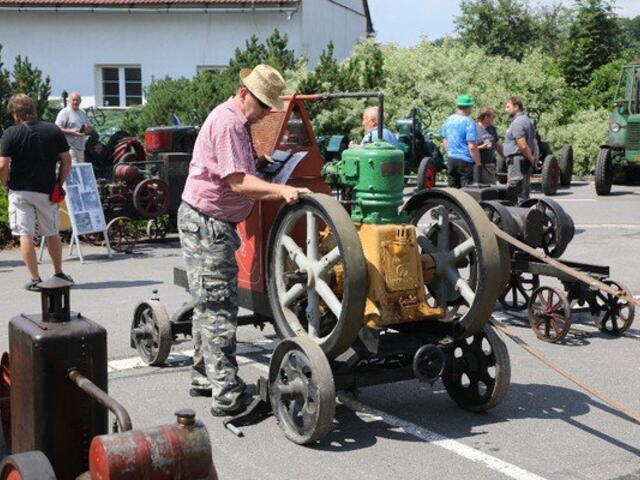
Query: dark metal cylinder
x,y
48,412
167,452
530,224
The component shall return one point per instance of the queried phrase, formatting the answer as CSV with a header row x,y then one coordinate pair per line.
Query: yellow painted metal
x,y
396,275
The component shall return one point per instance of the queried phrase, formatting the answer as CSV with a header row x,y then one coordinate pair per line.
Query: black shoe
x,y
64,276
200,392
243,402
32,285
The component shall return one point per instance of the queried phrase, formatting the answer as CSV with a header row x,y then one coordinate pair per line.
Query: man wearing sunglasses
x,y
220,191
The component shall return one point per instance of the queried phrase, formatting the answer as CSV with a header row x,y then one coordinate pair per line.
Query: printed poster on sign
x,y
83,200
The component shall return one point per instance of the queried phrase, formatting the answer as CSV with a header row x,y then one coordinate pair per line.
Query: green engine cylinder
x,y
375,174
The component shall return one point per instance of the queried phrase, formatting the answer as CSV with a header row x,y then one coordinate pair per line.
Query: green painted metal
x,y
624,123
375,173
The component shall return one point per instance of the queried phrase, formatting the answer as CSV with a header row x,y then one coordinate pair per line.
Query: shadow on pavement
x,y
114,284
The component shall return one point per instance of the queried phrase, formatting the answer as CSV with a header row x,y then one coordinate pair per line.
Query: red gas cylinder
x,y
168,452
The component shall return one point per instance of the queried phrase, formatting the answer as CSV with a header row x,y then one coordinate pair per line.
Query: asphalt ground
x,y
545,428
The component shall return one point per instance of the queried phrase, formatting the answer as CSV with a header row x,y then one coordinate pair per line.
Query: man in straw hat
x,y
220,191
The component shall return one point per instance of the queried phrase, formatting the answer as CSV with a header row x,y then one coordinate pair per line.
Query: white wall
x,y
68,46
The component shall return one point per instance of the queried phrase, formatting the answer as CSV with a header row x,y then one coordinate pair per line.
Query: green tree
x,y
501,27
28,79
551,25
631,34
594,40
5,93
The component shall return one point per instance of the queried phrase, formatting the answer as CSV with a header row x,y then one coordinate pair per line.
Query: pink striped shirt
x,y
223,147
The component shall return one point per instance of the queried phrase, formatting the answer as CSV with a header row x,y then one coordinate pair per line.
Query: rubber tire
x,y
427,165
604,172
550,175
502,375
566,166
352,319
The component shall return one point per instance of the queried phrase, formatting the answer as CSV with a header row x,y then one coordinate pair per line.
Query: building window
x,y
211,68
121,86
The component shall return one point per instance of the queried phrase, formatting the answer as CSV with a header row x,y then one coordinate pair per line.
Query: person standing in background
x,y
488,145
520,150
75,124
460,141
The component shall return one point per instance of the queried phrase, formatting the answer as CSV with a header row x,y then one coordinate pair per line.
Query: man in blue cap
x,y
459,136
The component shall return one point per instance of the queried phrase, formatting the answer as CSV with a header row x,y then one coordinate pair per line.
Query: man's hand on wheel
x,y
292,194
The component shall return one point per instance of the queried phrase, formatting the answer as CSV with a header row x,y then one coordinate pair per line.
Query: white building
x,y
108,50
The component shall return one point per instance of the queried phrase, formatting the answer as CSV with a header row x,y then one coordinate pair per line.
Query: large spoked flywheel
x,y
455,231
317,274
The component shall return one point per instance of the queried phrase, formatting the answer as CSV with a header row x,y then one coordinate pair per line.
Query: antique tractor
x,y
54,408
422,156
362,290
619,159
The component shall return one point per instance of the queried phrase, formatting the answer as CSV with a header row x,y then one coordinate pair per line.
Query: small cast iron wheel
x,y
455,231
156,228
558,227
604,172
550,175
566,165
477,372
301,390
5,397
151,332
317,274
427,174
27,466
610,313
122,233
151,197
501,170
518,292
549,314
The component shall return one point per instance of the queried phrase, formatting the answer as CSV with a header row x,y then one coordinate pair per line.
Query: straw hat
x,y
264,82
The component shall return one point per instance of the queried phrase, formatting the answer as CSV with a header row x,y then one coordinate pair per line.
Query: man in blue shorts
x,y
459,136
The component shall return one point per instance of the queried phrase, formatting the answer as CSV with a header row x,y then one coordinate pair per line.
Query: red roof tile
x,y
134,3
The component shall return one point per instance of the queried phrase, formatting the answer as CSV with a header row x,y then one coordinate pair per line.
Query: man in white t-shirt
x,y
75,124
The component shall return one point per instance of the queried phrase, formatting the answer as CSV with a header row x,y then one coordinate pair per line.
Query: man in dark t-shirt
x,y
488,145
29,154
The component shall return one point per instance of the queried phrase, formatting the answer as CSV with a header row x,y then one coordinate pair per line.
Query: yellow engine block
x,y
397,273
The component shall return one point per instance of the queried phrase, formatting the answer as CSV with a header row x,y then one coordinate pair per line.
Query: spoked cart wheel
x,y
427,174
317,276
610,313
26,466
477,371
151,332
301,390
455,231
151,198
122,233
518,292
549,314
156,228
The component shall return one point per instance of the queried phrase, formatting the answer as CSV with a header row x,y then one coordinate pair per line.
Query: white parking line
x,y
440,440
634,226
370,413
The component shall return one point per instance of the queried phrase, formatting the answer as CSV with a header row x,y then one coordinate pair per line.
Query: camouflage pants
x,y
208,247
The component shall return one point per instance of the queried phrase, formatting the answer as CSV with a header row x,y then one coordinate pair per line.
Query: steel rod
x,y
100,396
